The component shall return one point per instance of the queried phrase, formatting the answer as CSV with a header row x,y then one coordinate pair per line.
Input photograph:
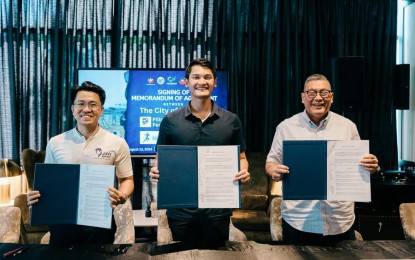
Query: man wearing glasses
x,y
315,221
88,143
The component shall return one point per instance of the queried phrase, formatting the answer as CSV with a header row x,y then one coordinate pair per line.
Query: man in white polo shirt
x,y
88,143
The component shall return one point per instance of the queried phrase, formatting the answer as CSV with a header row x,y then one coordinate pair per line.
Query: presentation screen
x,y
138,99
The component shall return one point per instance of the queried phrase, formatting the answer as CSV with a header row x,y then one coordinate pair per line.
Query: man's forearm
x,y
127,186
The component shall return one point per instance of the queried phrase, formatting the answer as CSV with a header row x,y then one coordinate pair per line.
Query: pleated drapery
x,y
269,48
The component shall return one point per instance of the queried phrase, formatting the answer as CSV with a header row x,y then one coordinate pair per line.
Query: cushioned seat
x,y
29,234
30,157
407,215
253,217
124,219
276,219
252,222
10,225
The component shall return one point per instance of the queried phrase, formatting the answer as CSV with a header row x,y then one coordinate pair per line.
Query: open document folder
x,y
73,194
326,170
198,176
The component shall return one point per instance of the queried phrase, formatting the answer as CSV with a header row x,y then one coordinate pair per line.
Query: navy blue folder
x,y
59,185
178,182
178,188
307,179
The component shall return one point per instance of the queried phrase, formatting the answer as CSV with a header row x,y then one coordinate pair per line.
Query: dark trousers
x,y
293,236
81,235
215,232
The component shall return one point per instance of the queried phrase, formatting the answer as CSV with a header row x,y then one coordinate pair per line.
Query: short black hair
x,y
89,86
316,77
202,62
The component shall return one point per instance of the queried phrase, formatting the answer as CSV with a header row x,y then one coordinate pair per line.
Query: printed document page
x,y
217,168
93,204
347,180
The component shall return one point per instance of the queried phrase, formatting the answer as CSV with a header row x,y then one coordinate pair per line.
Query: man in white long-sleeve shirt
x,y
315,221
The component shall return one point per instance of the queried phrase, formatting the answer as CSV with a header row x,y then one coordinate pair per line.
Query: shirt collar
x,y
311,123
79,135
188,110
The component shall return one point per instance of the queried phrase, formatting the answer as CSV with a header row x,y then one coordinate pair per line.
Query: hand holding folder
x,y
326,170
198,176
73,194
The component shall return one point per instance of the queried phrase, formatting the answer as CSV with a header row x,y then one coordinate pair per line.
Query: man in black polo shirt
x,y
201,122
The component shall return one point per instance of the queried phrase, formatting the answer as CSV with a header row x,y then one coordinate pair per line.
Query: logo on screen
x,y
171,81
160,80
150,81
148,137
145,121
182,81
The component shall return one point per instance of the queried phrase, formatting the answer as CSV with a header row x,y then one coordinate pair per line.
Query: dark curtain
x,y
269,47
43,43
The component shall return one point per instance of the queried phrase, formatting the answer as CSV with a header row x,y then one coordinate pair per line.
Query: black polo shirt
x,y
181,127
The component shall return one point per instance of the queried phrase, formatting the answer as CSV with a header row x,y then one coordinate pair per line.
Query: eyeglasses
x,y
312,93
81,105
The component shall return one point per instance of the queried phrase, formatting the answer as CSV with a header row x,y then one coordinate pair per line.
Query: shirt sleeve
x,y
240,140
162,137
49,158
123,163
275,153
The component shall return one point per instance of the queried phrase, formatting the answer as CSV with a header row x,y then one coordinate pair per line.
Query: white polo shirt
x,y
315,216
102,148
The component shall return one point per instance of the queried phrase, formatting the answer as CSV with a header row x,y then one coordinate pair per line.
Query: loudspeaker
x,y
401,86
348,80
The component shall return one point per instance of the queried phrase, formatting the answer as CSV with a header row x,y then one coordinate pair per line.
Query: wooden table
x,y
380,249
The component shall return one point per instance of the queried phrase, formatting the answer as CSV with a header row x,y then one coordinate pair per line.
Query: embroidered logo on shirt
x,y
101,154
